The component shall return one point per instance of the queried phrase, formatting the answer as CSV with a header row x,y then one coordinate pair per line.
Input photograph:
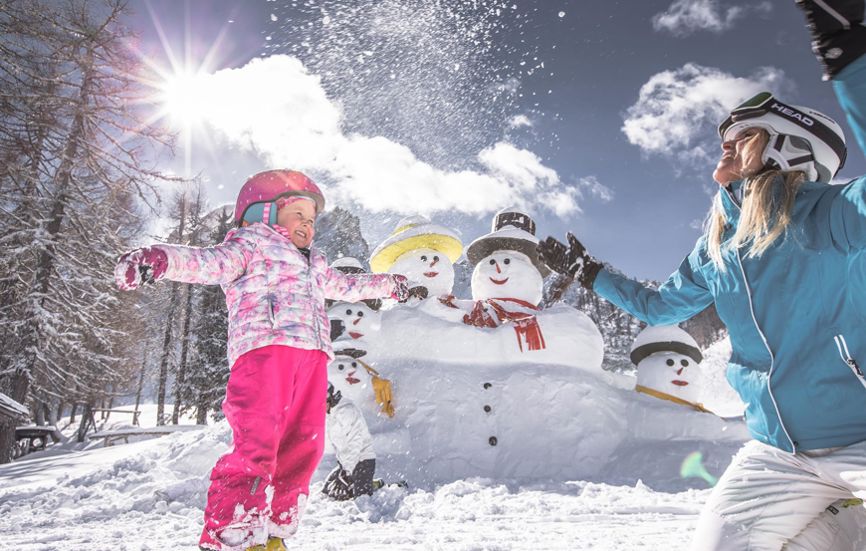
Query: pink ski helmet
x,y
260,191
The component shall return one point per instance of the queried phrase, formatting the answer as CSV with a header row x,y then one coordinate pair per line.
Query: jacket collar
x,y
731,196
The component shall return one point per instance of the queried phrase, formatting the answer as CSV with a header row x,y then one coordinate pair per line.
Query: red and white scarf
x,y
494,312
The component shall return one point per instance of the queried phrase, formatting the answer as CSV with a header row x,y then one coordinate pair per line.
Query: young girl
x,y
278,347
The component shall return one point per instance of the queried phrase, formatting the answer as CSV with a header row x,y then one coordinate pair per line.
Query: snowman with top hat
x,y
667,360
423,252
507,278
354,320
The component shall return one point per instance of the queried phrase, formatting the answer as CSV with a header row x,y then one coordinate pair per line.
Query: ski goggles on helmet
x,y
804,124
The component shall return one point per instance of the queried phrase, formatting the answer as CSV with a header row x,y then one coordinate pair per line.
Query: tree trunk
x,y
86,422
32,333
184,348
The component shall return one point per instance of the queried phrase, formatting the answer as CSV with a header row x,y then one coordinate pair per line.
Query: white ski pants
x,y
769,500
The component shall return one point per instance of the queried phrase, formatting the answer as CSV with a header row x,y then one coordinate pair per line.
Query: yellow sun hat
x,y
412,233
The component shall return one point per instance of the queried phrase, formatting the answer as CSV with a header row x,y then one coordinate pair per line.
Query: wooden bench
x,y
33,438
109,437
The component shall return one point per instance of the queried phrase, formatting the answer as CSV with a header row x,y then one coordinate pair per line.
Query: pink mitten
x,y
146,265
401,288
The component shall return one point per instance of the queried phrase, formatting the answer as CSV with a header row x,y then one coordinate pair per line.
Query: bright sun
x,y
182,98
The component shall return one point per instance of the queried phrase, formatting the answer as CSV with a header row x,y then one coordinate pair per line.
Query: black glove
x,y
838,34
571,261
338,485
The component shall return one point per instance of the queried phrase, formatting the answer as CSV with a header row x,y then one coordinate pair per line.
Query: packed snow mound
x,y
717,395
475,402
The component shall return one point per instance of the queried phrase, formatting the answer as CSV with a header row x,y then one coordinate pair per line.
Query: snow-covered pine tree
x,y
72,141
197,207
203,388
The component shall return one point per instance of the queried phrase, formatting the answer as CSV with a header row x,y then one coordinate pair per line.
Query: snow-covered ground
x,y
149,495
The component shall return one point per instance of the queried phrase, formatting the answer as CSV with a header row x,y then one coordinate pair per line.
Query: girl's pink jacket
x,y
274,294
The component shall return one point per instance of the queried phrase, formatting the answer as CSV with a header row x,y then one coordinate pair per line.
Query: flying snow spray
x,y
693,466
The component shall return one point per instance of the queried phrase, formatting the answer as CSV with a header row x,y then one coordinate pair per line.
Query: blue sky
x,y
597,117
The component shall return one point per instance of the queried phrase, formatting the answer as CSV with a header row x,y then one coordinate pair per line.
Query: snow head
x,y
426,268
348,375
505,262
667,361
507,274
423,252
359,320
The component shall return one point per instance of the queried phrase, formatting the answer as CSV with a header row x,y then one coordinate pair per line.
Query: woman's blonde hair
x,y
768,198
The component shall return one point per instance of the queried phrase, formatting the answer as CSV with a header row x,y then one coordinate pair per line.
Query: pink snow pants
x,y
275,405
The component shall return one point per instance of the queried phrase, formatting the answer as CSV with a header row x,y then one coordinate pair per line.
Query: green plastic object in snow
x,y
693,466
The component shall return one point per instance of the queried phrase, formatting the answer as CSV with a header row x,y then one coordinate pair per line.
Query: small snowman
x,y
358,381
348,375
423,252
667,361
355,320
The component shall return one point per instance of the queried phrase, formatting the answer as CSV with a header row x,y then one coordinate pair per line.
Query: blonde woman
x,y
775,260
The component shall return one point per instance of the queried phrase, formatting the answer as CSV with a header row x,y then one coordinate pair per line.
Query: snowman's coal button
x,y
488,409
487,385
492,440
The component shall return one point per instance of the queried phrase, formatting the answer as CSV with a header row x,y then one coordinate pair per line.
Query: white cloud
x,y
593,187
276,108
684,17
677,111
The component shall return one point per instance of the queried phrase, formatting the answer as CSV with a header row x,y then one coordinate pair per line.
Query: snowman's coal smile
x,y
499,281
679,383
355,334
431,274
350,378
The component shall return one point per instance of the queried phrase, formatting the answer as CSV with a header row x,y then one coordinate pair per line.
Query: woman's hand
x,y
838,34
570,261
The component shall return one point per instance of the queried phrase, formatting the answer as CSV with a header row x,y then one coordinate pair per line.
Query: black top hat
x,y
512,230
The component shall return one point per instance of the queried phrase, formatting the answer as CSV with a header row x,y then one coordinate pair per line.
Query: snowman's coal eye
x,y
507,261
492,262
670,362
423,258
341,367
684,363
354,364
435,259
348,312
360,314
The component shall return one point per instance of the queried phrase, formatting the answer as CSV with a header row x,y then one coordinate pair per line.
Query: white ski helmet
x,y
800,138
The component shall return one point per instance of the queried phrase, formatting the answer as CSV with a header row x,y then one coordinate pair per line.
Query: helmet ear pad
x,y
788,153
257,212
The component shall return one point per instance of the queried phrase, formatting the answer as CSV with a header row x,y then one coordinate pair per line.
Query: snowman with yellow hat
x,y
423,252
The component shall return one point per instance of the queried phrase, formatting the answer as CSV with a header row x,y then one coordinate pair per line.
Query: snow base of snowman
x,y
470,403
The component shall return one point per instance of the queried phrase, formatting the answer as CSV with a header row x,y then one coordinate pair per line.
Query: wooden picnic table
x,y
33,438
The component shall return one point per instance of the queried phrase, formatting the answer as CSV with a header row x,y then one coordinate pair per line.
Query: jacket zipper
x,y
764,339
313,301
848,359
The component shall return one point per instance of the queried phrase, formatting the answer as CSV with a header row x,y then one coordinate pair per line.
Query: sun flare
x,y
182,96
